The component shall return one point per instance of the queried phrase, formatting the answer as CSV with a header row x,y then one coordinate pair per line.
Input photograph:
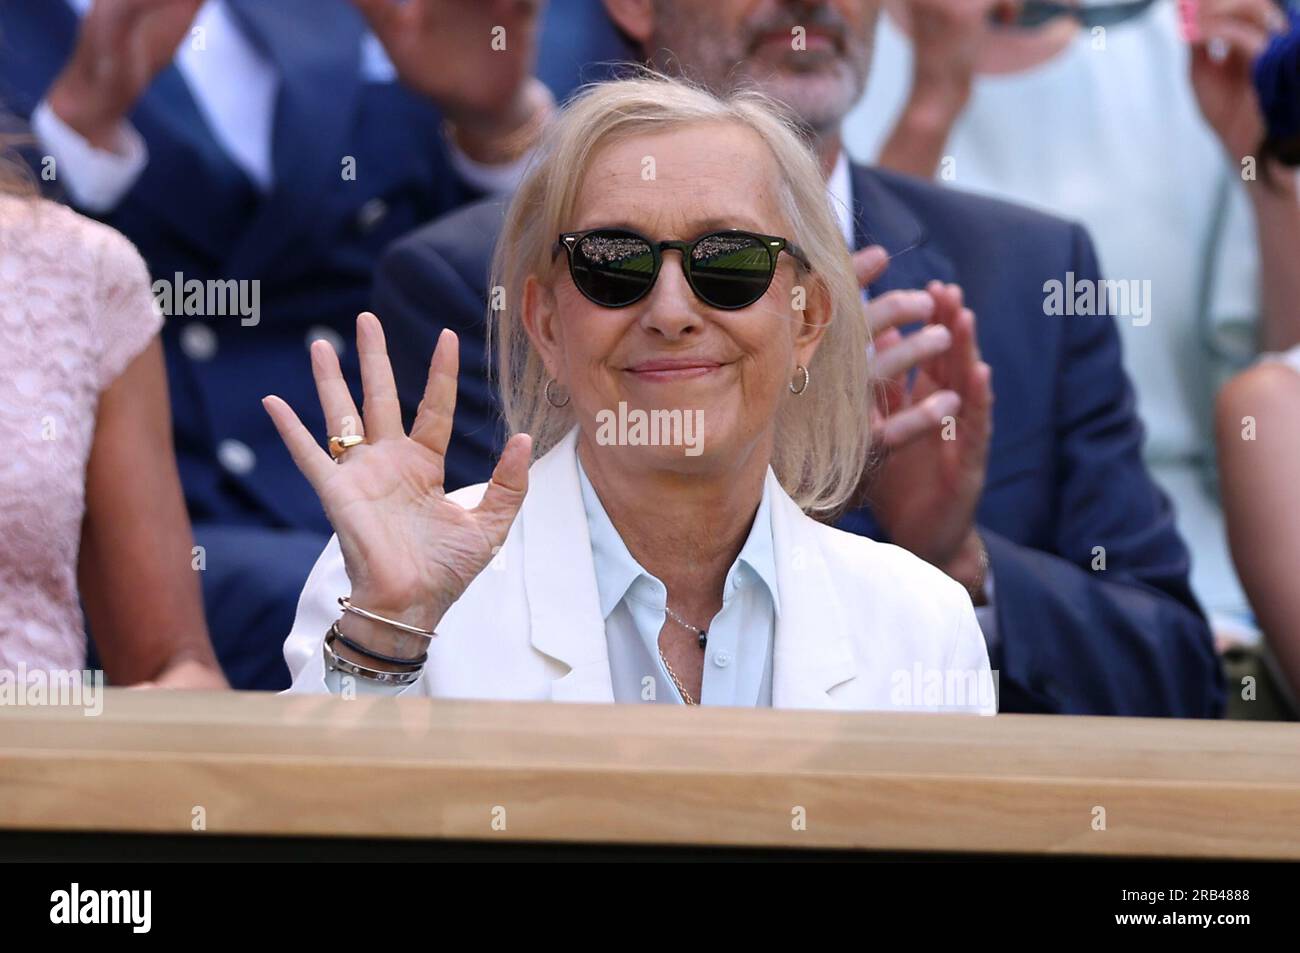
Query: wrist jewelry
x,y
347,605
335,663
372,654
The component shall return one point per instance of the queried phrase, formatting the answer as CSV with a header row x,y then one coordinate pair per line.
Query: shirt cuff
x,y
95,179
488,179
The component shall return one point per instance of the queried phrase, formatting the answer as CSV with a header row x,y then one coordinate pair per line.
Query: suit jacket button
x,y
236,456
198,341
371,214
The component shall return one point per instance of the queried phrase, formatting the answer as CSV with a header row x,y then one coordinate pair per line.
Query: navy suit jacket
x,y
1065,481
312,242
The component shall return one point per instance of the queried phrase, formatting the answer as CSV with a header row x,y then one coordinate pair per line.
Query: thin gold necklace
x,y
686,696
700,634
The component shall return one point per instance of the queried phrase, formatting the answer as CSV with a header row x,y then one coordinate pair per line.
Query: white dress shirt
x,y
738,653
839,189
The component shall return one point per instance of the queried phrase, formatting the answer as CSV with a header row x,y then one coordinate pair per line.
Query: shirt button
x,y
371,214
721,659
236,456
321,332
198,341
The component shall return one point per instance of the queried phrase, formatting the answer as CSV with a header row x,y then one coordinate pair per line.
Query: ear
x,y
635,18
812,322
540,322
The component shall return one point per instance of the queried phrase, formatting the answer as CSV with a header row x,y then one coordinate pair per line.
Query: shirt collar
x,y
839,189
617,569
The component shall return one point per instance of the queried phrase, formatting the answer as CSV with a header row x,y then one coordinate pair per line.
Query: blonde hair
x,y
821,443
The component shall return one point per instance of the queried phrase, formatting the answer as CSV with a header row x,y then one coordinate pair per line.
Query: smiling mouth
x,y
673,370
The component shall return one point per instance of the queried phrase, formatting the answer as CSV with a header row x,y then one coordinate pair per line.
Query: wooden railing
x,y
244,763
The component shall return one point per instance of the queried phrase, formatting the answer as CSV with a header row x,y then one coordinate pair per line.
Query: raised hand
x,y
898,416
933,437
444,50
121,46
410,552
1227,37
948,39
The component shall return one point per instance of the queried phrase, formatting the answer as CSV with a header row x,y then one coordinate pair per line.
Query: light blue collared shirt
x,y
738,658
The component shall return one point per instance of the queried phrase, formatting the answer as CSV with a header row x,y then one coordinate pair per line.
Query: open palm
x,y
409,551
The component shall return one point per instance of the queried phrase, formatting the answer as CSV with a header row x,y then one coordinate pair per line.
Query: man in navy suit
x,y
1039,502
268,149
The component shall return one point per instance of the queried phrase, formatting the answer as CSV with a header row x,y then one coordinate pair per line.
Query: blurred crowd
x,y
1076,221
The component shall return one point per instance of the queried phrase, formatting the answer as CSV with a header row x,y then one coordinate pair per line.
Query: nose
x,y
671,310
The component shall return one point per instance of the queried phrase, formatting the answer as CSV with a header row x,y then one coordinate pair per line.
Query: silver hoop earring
x,y
804,386
550,398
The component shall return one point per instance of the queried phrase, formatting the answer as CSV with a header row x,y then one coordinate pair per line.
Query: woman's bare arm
x,y
1259,463
1277,223
135,573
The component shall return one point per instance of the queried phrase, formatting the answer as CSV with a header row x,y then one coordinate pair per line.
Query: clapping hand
x,y
121,46
473,58
933,437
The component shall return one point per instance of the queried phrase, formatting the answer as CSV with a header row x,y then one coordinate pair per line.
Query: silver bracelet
x,y
336,663
347,605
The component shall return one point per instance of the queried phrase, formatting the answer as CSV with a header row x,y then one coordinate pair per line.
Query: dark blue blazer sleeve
x,y
1126,639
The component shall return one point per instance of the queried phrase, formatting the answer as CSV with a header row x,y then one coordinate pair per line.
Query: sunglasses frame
x,y
1035,13
774,244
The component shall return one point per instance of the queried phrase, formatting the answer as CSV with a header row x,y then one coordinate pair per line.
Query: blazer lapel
x,y
812,651
560,578
186,159
881,218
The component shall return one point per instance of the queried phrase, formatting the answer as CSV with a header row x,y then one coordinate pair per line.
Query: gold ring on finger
x,y
341,445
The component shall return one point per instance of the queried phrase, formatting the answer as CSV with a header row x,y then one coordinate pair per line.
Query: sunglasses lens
x,y
731,271
613,268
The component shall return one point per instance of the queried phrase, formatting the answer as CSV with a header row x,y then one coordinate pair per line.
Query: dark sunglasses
x,y
728,270
1033,13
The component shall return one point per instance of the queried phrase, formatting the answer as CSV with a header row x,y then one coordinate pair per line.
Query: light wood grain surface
x,y
251,763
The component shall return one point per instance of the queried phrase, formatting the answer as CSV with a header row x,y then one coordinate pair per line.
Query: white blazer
x,y
863,625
